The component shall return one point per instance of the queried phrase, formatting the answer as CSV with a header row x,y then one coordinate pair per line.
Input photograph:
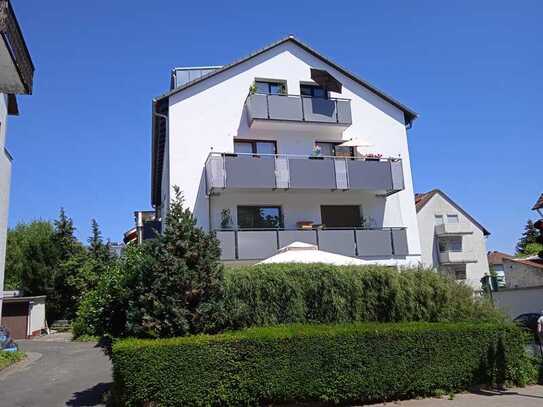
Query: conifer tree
x,y
182,293
530,236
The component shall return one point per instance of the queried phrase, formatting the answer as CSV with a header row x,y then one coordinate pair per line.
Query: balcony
x,y
259,244
269,172
266,111
16,68
453,229
456,257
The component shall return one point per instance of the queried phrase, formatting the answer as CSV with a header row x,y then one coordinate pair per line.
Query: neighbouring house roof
x,y
421,199
497,257
539,203
160,105
532,263
24,299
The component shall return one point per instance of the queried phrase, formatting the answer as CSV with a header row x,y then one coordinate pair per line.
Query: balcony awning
x,y
355,142
327,81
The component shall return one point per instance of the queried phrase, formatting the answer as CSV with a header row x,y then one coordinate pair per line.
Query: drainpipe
x,y
166,118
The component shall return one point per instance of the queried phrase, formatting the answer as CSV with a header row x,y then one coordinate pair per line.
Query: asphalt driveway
x,y
56,373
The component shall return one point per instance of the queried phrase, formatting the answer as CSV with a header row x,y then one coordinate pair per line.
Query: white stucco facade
x,y
471,254
210,115
5,180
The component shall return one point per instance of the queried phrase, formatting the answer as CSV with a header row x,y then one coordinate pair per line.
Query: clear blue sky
x,y
473,69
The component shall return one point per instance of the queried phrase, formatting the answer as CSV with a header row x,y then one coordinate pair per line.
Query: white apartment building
x,y
16,73
285,145
452,241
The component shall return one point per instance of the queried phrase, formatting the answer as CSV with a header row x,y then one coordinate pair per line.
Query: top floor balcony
x,y
253,172
16,68
453,229
271,110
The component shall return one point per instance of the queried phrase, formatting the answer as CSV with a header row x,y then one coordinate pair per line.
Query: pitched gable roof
x,y
409,114
535,264
422,199
160,105
539,203
496,257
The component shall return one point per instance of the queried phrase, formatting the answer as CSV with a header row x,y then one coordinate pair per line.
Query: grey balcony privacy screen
x,y
324,79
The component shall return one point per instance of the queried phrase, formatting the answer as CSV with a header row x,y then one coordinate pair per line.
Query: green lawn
x,y
9,358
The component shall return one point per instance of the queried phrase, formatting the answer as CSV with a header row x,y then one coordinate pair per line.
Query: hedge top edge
x,y
311,330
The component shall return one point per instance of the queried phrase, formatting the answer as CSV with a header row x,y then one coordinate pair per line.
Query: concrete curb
x,y
30,358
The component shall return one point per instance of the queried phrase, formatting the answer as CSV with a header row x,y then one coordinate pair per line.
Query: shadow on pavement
x,y
93,396
487,392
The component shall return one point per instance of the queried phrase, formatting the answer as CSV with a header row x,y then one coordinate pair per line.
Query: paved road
x,y
57,373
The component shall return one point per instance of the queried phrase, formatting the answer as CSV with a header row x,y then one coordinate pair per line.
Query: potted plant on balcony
x,y
373,157
316,153
252,89
226,219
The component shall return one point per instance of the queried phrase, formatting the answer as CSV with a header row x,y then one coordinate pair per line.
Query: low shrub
x,y
9,358
301,293
327,363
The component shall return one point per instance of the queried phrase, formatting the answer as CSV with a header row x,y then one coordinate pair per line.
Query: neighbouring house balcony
x,y
264,111
453,229
17,70
259,244
270,172
456,257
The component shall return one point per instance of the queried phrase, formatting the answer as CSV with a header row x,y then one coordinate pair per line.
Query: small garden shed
x,y
23,316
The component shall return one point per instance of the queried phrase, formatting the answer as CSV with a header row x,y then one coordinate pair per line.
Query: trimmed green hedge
x,y
307,293
330,363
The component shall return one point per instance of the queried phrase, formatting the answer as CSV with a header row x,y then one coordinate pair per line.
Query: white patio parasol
x,y
355,142
299,252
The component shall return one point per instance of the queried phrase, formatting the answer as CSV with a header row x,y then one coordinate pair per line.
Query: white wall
x,y
474,243
5,178
37,316
519,301
209,115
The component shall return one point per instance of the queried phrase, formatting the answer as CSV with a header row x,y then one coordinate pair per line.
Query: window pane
x,y
262,87
268,218
452,218
276,88
326,148
343,151
241,147
460,273
319,92
255,217
442,245
455,244
265,147
305,90
439,219
340,216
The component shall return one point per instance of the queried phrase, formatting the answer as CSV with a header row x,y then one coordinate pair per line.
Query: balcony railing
x,y
269,171
452,229
297,108
456,257
17,70
259,244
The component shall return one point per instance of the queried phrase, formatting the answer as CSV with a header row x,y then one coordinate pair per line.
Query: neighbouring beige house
x,y
523,272
452,241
